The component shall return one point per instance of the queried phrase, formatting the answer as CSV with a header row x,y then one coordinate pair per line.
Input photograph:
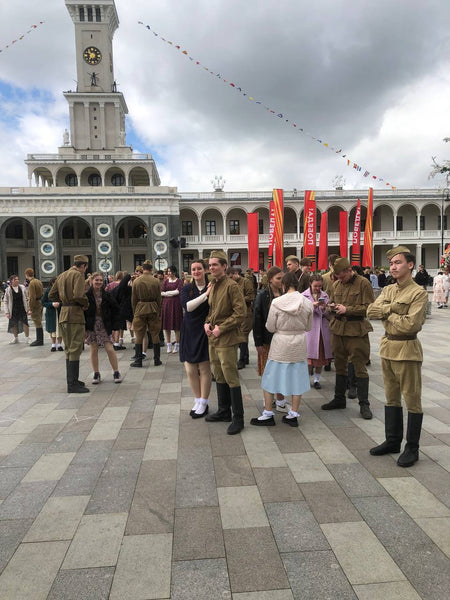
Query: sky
x,y
370,78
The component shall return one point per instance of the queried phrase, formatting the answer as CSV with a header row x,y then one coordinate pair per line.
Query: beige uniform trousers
x,y
403,377
143,323
224,364
351,349
36,317
73,337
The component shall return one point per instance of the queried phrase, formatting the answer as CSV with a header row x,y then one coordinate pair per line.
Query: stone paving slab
x,y
120,494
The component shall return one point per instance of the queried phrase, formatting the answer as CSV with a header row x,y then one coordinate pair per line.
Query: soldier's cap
x,y
81,258
340,265
397,250
293,258
219,254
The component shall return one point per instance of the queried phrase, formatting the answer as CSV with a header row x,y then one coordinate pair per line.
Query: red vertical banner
x,y
271,233
278,236
322,261
309,230
343,233
367,259
253,241
356,241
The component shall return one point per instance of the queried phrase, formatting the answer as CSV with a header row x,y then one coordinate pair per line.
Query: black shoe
x,y
352,393
157,362
138,353
327,367
117,377
293,421
317,385
241,364
410,454
97,378
270,422
60,349
237,409
334,404
236,427
224,416
365,412
195,415
53,349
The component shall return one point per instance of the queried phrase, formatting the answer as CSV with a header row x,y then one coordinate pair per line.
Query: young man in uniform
x,y
146,303
350,296
68,289
35,293
401,308
249,293
227,312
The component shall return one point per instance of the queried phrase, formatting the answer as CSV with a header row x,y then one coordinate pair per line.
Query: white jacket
x,y
9,298
290,316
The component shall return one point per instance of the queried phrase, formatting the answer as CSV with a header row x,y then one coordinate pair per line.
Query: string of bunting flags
x,y
272,111
32,27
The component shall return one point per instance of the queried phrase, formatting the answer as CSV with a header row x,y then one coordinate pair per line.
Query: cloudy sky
x,y
370,77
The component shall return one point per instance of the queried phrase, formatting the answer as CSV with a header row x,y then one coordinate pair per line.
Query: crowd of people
x,y
301,322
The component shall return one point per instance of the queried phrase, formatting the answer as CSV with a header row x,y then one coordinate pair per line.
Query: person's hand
x,y
260,350
8,315
316,304
208,330
340,309
216,331
55,304
208,289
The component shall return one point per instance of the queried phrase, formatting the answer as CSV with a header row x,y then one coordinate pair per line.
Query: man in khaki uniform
x,y
249,293
146,303
69,290
35,293
328,277
401,308
350,296
227,312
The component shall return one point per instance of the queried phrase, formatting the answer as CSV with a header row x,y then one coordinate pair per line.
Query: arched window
x,y
71,180
118,179
94,179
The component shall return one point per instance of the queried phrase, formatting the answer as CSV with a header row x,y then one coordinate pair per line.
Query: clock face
x,y
92,55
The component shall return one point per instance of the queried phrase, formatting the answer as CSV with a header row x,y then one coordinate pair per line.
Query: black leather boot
x,y
340,389
39,341
362,387
241,362
156,355
237,408
223,404
410,454
352,392
81,383
393,427
138,353
73,385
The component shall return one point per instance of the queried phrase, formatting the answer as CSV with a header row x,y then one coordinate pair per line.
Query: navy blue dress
x,y
193,340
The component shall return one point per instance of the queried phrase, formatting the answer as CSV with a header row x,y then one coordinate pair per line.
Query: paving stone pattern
x,y
118,494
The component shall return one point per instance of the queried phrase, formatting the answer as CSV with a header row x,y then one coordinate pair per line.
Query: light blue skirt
x,y
286,378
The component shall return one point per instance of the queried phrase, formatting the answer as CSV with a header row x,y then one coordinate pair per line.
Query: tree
x,y
441,168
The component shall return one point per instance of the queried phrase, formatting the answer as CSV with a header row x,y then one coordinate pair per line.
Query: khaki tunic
x,y
146,304
401,308
248,290
227,310
69,290
328,280
35,293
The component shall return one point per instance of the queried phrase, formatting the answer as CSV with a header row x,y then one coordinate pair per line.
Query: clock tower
x,y
97,109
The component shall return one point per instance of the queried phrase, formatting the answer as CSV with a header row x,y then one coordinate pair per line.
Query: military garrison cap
x,y
219,254
397,250
81,258
340,265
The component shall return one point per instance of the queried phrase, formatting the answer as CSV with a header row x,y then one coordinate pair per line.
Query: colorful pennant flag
x,y
20,37
271,110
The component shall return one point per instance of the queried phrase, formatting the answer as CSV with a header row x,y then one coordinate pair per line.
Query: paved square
x,y
119,494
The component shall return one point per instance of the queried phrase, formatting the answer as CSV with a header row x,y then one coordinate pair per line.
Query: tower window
x,y
118,179
71,180
98,16
81,13
90,14
94,179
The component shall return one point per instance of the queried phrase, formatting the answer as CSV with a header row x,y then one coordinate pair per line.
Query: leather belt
x,y
401,338
70,304
344,318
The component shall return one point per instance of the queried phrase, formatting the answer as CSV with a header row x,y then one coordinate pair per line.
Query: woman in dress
x,y
286,372
102,317
318,340
194,342
171,312
16,309
52,310
439,290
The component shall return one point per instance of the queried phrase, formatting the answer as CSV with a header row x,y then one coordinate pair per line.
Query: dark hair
x,y
305,262
80,263
272,272
147,266
290,281
200,261
358,269
409,257
173,270
333,258
233,271
315,277
13,276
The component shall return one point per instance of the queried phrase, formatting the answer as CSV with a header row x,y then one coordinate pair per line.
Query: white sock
x,y
281,403
267,414
316,377
53,345
59,346
196,404
292,414
202,404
